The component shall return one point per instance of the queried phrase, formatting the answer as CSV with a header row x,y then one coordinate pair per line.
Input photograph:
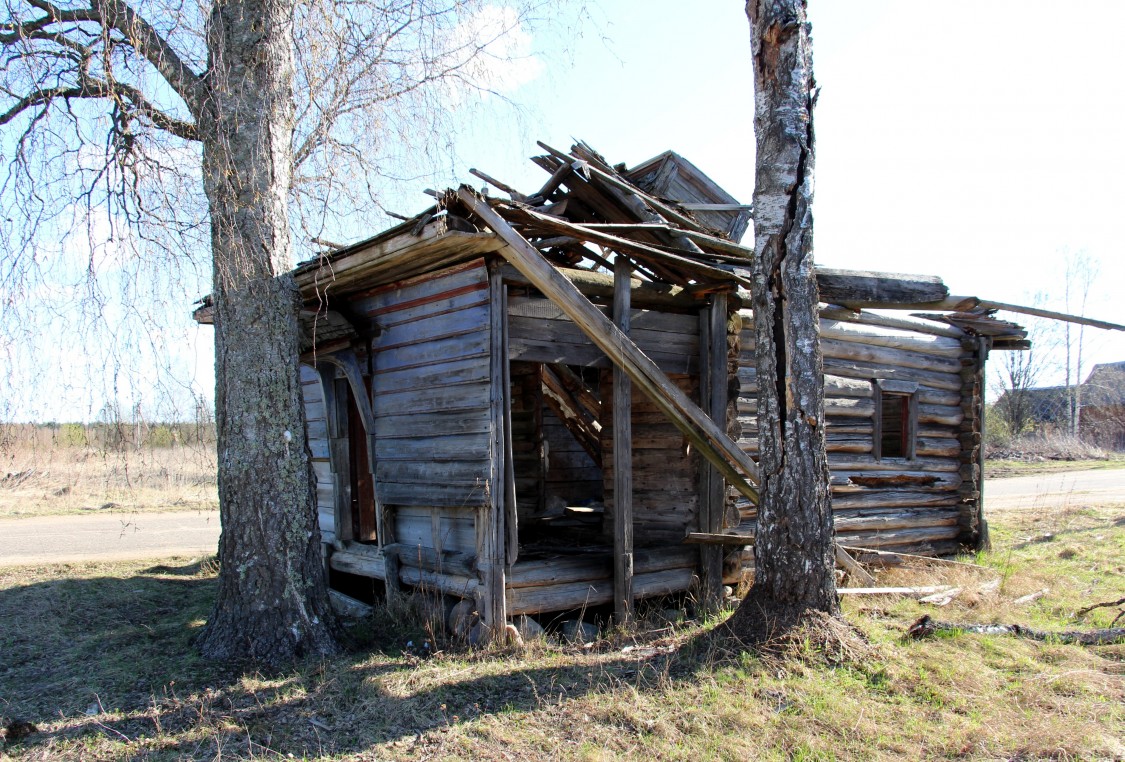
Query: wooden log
x,y
899,520
940,346
842,314
897,537
870,289
422,557
842,463
852,369
711,441
869,353
882,498
578,595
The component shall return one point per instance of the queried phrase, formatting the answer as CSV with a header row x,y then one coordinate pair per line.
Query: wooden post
x,y
713,397
711,440
622,458
490,519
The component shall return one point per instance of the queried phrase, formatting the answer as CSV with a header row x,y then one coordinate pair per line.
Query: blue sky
x,y
978,141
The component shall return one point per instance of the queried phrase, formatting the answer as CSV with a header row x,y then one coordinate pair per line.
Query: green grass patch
x,y
99,657
999,469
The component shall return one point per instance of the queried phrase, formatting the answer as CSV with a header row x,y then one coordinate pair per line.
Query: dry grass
x,y
99,658
41,479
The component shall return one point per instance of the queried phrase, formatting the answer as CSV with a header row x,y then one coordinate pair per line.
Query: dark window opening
x,y
359,471
894,438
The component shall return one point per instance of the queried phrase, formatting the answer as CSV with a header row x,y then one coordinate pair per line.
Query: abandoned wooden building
x,y
548,402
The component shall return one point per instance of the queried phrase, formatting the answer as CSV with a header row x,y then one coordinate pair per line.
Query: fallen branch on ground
x,y
925,627
1103,604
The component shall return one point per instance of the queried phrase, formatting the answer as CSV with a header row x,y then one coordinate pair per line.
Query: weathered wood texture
x,y
316,428
895,503
541,332
665,475
431,382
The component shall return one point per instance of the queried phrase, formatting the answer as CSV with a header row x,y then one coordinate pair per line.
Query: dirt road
x,y
1062,488
107,536
111,536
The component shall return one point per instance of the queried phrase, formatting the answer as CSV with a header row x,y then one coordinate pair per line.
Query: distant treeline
x,y
107,435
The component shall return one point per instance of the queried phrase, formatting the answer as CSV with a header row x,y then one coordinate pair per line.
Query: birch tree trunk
x,y
794,568
272,601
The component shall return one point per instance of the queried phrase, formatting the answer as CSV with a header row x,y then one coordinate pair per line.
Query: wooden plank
x,y
424,424
711,441
565,597
622,457
407,293
431,327
511,503
713,390
433,351
432,399
451,495
442,448
491,535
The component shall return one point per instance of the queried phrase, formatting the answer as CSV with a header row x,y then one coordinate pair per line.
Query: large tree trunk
x,y
794,568
272,601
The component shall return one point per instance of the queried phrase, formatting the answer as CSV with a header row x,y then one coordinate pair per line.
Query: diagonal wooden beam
x,y
706,435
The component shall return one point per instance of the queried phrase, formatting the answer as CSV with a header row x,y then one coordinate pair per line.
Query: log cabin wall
x,y
430,377
910,498
316,427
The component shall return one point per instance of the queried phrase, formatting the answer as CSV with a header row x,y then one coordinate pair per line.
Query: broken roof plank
x,y
640,250
711,440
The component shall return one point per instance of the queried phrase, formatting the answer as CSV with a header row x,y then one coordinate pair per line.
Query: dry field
x,y
98,657
41,478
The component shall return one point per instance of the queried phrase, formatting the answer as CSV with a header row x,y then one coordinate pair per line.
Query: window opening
x,y
894,438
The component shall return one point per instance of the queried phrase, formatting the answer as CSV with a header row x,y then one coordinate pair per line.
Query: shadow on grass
x,y
112,657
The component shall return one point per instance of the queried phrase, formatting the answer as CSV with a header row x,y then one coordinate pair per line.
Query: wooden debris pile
x,y
588,212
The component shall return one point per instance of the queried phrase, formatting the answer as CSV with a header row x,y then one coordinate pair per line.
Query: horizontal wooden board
x,y
463,370
451,447
468,472
432,352
447,495
432,399
431,327
453,300
426,424
404,295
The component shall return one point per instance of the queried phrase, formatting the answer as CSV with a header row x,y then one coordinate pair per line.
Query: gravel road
x,y
107,536
119,536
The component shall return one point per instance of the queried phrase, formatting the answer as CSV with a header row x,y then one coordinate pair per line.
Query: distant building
x,y
1100,401
1101,418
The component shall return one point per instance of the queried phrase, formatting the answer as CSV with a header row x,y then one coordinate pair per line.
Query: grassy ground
x,y
998,469
38,480
99,658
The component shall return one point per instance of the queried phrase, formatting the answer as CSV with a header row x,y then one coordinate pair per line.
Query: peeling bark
x,y
272,603
794,540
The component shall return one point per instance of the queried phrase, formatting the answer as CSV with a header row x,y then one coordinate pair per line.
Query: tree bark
x,y
794,568
272,603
